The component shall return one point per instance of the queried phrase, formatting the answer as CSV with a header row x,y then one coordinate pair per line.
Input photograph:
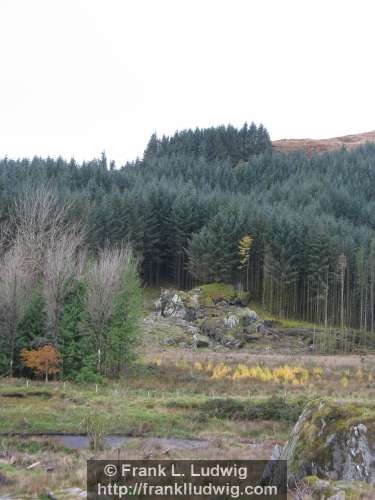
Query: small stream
x,y
78,442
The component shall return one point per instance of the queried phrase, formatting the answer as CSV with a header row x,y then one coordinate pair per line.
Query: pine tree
x,y
71,343
124,329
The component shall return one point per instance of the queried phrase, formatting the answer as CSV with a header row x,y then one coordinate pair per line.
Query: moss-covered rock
x,y
247,316
185,305
323,489
217,292
213,310
332,440
354,490
200,341
213,328
179,303
231,321
242,299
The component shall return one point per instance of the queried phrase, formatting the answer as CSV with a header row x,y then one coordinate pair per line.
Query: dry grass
x,y
320,145
30,466
58,470
273,359
347,376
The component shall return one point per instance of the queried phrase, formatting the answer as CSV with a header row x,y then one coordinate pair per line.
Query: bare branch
x,y
103,279
63,263
15,285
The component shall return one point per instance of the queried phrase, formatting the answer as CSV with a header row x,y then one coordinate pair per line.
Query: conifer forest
x,y
295,231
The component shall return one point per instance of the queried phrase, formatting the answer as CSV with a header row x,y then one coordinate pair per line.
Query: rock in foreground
x,y
333,441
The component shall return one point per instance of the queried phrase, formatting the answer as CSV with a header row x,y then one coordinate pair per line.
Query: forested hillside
x,y
185,207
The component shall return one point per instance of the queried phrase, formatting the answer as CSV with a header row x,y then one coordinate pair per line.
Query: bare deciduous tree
x,y
38,218
15,285
103,280
40,247
63,263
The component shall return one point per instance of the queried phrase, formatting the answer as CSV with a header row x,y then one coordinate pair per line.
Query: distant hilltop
x,y
321,145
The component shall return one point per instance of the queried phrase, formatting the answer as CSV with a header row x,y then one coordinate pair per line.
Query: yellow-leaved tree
x,y
244,248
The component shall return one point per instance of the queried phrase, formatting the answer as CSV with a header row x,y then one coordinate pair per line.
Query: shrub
x,y
87,376
43,361
270,409
235,409
95,426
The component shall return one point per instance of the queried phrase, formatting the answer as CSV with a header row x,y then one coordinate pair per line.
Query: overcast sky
x,y
81,76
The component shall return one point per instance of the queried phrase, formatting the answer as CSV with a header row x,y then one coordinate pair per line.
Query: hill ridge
x,y
321,145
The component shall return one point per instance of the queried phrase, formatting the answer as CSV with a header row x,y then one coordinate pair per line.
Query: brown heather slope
x,y
321,145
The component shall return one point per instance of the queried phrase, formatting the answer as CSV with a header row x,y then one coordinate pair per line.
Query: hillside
x,y
321,145
253,263
295,231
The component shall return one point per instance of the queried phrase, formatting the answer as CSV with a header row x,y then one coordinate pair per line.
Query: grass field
x,y
176,395
240,403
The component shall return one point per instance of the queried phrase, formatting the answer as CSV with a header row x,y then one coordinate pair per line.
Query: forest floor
x,y
232,403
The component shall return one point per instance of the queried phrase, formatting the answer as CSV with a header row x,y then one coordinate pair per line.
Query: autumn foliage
x,y
42,361
244,248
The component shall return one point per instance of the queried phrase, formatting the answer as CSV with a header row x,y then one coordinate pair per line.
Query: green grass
x,y
281,322
150,295
215,292
129,410
32,446
174,399
246,409
150,401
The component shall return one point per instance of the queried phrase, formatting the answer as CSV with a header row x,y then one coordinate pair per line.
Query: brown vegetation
x,y
42,361
321,145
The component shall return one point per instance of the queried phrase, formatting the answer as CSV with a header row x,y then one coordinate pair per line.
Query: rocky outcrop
x,y
247,316
212,311
333,441
226,331
200,341
185,305
231,321
322,489
213,328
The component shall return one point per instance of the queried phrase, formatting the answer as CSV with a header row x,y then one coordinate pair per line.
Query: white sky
x,y
81,76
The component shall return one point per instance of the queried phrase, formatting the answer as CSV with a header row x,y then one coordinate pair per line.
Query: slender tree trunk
x,y
247,276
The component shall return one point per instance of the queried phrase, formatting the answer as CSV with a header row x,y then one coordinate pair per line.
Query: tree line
x,y
189,202
214,143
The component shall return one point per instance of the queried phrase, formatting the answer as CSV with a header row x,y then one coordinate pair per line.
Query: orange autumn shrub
x,y
43,361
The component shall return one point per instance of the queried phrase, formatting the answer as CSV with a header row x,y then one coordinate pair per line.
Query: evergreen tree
x,y
124,329
71,344
213,252
32,327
